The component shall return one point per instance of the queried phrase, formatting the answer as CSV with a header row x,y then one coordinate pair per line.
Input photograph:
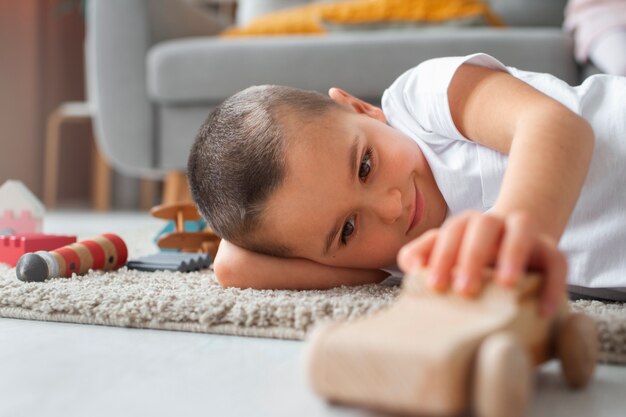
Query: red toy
x,y
12,247
105,252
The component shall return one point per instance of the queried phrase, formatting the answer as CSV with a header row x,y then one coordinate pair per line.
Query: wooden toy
x,y
178,212
441,354
171,261
12,247
189,226
205,241
20,211
105,252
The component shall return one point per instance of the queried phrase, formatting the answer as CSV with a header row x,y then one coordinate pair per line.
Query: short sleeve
x,y
422,92
417,104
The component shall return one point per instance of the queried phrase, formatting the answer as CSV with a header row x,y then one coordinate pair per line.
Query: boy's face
x,y
355,191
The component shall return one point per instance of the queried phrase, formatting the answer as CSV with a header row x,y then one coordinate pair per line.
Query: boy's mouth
x,y
416,212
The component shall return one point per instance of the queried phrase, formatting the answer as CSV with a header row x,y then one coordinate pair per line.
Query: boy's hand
x,y
472,241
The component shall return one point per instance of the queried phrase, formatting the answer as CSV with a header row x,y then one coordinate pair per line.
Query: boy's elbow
x,y
229,275
563,120
227,267
234,266
585,135
223,273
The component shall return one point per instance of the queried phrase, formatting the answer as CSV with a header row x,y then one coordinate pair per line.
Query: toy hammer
x,y
105,252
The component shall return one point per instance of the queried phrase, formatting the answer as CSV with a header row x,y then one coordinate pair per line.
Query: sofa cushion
x,y
513,12
249,9
313,18
207,70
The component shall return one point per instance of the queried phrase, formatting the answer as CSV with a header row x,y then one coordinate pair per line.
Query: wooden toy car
x,y
442,354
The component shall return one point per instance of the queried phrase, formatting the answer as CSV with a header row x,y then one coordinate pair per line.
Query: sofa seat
x,y
204,71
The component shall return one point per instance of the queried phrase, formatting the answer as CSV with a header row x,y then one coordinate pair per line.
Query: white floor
x,y
59,369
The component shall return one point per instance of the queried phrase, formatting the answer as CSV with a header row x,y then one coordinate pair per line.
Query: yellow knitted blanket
x,y
310,19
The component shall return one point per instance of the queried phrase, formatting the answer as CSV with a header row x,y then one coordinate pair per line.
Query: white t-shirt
x,y
469,175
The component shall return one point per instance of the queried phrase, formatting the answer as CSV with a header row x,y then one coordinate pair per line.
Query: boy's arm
x,y
549,146
549,149
242,268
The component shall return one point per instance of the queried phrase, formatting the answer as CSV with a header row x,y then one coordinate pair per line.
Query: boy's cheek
x,y
370,254
381,251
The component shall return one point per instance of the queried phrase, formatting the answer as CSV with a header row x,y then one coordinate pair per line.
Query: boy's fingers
x,y
445,252
515,248
479,248
416,253
554,265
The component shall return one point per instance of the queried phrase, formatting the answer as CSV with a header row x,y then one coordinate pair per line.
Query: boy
x,y
315,192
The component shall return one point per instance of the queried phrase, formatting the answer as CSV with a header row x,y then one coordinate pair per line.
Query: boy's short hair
x,y
237,159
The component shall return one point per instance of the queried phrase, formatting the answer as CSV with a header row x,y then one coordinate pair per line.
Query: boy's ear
x,y
356,105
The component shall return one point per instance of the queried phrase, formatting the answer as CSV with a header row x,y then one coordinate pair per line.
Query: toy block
x,y
12,247
20,210
171,261
442,354
22,224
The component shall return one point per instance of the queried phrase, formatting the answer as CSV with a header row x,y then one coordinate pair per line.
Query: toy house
x,y
20,211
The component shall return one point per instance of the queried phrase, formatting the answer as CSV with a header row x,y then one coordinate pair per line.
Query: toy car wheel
x,y
577,349
502,378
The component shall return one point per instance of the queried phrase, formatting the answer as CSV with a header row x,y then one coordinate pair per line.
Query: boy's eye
x,y
366,165
348,229
364,171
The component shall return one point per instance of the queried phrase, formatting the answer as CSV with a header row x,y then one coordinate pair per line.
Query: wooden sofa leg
x,y
149,193
176,189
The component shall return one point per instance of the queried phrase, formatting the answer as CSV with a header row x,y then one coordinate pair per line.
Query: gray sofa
x,y
155,69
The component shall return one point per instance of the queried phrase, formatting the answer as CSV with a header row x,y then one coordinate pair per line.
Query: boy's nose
x,y
388,205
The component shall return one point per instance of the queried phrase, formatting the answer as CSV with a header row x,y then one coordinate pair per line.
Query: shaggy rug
x,y
196,302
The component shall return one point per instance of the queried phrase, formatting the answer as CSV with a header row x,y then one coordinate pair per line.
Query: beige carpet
x,y
195,302
183,301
